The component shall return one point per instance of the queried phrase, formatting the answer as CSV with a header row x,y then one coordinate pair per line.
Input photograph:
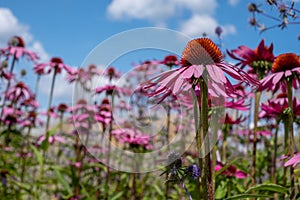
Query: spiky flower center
x,y
201,51
56,60
16,41
285,62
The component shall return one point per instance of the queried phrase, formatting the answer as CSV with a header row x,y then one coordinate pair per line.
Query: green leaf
x,y
45,143
158,190
85,192
117,196
268,187
244,196
37,154
220,192
63,181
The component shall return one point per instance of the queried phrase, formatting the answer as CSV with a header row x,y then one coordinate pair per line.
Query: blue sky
x,y
71,29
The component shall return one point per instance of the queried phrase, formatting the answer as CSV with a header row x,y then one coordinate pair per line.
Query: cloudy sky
x,y
71,29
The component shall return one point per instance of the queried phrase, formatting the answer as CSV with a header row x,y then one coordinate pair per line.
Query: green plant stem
x,y
273,172
50,102
291,137
109,147
47,123
197,110
167,139
8,85
256,109
204,130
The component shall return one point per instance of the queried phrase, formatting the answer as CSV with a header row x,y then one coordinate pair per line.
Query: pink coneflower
x,y
170,61
200,58
82,114
20,91
295,160
52,139
286,66
275,108
111,73
16,48
231,171
113,89
31,102
55,63
103,115
30,120
230,121
133,137
260,59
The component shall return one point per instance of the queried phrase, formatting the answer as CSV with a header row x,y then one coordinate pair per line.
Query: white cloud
x,y
233,2
38,47
199,24
157,11
10,26
62,91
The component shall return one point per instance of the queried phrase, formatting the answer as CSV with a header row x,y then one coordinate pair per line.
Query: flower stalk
x,y
291,136
256,112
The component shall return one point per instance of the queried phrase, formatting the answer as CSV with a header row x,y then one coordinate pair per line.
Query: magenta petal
x,y
288,73
277,77
188,73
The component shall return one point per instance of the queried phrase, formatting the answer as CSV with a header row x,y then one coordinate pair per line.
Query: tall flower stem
x,y
48,122
50,101
273,168
199,139
109,147
167,138
291,136
273,172
8,85
204,130
256,109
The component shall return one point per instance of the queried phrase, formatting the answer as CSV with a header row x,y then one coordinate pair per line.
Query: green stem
x,y
273,173
204,130
167,138
291,136
8,85
50,101
109,147
47,123
256,109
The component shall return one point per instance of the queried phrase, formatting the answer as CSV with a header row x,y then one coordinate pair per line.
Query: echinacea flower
x,y
231,171
52,139
276,108
285,67
170,61
56,64
133,137
104,115
295,160
113,89
111,73
20,91
200,58
16,48
260,59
